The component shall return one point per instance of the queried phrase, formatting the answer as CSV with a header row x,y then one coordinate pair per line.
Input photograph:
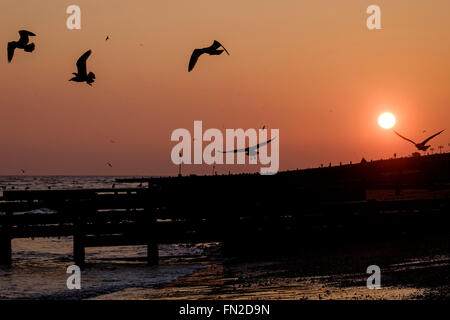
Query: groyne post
x,y
79,254
5,240
151,232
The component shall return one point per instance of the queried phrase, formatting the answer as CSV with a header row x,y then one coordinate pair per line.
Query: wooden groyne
x,y
241,211
93,217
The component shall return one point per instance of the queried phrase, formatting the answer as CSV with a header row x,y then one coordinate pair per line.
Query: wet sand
x,y
410,269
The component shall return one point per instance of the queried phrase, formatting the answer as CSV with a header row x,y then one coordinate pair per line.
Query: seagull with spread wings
x,y
23,43
211,50
82,75
422,145
250,151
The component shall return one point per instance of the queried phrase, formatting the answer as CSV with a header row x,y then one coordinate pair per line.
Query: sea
x,y
40,265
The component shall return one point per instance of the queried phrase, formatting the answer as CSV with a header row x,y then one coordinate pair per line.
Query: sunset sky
x,y
311,69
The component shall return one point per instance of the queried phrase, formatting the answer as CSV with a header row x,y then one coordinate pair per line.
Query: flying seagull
x,y
21,44
250,151
212,50
420,146
82,75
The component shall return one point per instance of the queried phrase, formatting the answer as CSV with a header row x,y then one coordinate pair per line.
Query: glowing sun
x,y
386,120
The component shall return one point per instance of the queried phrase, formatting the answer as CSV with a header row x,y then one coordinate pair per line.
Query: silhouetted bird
x,y
250,151
109,164
23,171
212,50
82,75
21,44
107,38
420,146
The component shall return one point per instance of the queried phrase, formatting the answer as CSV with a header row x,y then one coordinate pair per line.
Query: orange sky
x,y
312,69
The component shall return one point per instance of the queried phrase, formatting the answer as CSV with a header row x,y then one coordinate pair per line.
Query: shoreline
x,y
409,272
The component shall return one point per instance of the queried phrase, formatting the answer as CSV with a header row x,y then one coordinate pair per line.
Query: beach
x,y
410,270
412,266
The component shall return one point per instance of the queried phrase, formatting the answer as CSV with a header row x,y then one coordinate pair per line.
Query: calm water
x,y
39,265
59,182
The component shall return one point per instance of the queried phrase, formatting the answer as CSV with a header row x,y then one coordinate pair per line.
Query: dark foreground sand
x,y
410,269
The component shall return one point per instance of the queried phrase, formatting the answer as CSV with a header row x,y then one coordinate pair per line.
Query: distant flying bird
x,y
250,151
420,146
212,50
23,171
82,75
107,38
109,164
21,44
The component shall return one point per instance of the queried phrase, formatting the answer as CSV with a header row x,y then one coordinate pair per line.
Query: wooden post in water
x,y
5,241
150,230
152,249
78,241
